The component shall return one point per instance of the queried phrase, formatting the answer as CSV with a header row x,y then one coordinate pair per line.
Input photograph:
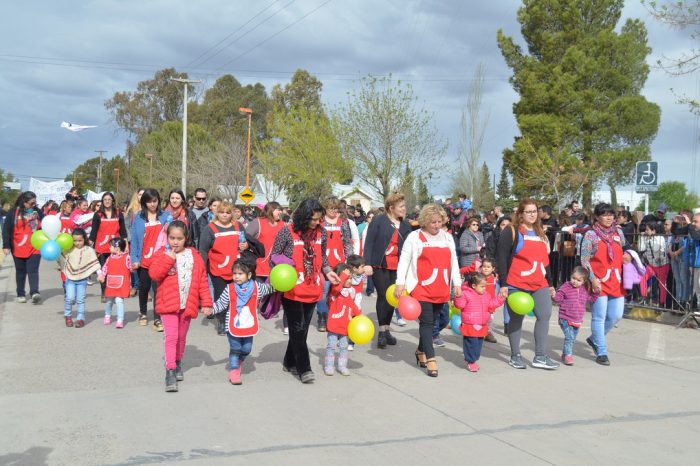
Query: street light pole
x,y
117,171
186,82
149,156
98,185
248,112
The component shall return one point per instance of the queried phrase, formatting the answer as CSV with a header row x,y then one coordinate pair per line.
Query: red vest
x,y
118,280
609,271
434,271
335,250
67,225
21,238
392,252
224,251
153,230
528,268
307,289
341,309
266,236
245,323
109,228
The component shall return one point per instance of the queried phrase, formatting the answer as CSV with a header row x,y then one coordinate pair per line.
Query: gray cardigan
x,y
470,244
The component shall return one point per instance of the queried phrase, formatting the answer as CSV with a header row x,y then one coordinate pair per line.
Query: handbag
x,y
569,248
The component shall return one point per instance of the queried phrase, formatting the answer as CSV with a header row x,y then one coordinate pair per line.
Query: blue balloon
x,y
455,323
50,250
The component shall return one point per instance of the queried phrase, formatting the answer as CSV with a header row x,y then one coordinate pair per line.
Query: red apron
x,y
528,268
245,323
118,281
224,251
67,225
392,252
307,289
434,270
150,238
109,228
21,238
335,250
607,271
266,236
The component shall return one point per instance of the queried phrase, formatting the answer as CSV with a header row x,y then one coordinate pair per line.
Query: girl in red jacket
x,y
476,306
343,305
182,288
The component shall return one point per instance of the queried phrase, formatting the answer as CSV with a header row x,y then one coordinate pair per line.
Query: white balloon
x,y
51,225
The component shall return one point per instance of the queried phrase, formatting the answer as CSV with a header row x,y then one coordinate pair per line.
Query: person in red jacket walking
x,y
476,306
182,289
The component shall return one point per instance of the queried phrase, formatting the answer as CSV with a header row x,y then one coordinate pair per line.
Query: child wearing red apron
x,y
116,276
239,301
343,304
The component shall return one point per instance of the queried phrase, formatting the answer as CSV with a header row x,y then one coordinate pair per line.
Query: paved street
x,y
96,396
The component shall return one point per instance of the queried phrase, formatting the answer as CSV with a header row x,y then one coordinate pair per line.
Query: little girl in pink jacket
x,y
476,306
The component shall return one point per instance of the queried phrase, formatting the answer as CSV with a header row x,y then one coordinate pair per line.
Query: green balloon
x,y
283,277
65,241
521,302
38,239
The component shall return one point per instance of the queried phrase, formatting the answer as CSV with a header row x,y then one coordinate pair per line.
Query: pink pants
x,y
175,327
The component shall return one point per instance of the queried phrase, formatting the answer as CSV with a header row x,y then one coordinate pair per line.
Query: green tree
x,y
484,198
503,187
579,87
381,130
304,89
407,187
675,195
423,196
6,194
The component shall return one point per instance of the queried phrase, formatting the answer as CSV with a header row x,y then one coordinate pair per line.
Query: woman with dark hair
x,y
107,223
523,265
147,236
471,242
624,221
18,227
304,242
601,254
382,249
177,209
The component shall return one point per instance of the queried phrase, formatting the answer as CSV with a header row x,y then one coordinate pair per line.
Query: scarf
x,y
309,238
27,216
606,236
177,214
244,292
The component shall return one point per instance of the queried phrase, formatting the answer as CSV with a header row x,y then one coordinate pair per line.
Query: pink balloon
x,y
409,308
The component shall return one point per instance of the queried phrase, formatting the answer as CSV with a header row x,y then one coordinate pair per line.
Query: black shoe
x,y
321,323
221,328
381,340
390,339
603,360
178,372
592,345
170,380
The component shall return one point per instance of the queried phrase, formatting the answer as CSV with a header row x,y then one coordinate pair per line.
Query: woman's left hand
x,y
552,291
243,246
458,291
333,277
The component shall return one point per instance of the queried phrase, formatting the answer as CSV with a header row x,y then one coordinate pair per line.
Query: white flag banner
x,y
75,128
45,190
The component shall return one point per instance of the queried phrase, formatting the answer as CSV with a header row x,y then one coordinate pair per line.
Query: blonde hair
x,y
331,203
428,212
225,206
392,199
134,204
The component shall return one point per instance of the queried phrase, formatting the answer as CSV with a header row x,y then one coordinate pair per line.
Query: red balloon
x,y
409,308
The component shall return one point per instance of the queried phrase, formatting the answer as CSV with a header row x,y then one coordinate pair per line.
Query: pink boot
x,y
234,376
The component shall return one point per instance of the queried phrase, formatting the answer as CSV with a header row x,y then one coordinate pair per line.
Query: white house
x,y
356,194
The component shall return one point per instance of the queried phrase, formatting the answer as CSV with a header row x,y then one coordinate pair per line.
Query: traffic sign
x,y
246,195
647,177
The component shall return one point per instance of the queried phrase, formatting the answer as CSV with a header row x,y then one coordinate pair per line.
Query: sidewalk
x,y
96,396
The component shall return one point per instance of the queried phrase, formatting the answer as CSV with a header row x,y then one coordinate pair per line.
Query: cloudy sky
x,y
61,60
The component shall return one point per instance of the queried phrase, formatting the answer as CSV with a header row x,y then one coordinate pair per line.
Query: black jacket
x,y
379,234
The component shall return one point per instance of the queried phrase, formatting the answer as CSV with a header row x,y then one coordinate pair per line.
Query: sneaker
x,y
80,323
21,299
157,325
36,298
170,380
292,370
328,371
307,377
69,321
234,376
517,362
90,282
179,375
603,360
592,345
567,359
491,338
344,371
472,367
285,331
120,324
107,320
103,299
400,322
351,347
143,320
544,362
438,342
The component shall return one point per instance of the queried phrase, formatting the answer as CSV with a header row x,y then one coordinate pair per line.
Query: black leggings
x,y
383,279
145,283
428,314
219,285
102,258
299,316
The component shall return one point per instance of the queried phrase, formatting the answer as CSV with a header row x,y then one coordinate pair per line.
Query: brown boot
x,y
491,338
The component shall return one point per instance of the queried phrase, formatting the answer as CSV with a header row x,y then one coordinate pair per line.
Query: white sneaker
x,y
285,331
351,347
400,322
21,299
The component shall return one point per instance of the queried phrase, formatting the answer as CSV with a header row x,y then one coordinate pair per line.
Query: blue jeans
x,y
134,280
322,305
472,348
442,320
341,342
370,286
75,293
570,334
240,347
120,307
605,313
681,277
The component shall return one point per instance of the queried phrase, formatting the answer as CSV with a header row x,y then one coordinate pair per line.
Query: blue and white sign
x,y
647,177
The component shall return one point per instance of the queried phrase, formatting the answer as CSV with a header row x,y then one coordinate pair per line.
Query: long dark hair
x,y
149,195
179,192
583,272
304,213
24,197
115,209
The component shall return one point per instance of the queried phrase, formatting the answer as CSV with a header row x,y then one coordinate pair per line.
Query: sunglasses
x,y
201,198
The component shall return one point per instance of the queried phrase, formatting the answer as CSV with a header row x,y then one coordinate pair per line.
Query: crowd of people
x,y
207,254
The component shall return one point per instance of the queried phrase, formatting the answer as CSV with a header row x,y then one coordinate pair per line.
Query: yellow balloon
x,y
390,298
361,330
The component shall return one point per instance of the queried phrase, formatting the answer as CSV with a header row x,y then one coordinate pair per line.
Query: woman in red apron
x,y
601,254
65,210
428,268
220,244
304,243
147,237
107,223
17,231
523,265
177,208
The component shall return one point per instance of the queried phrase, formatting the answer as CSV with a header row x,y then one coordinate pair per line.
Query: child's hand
x,y
207,311
458,291
101,278
170,253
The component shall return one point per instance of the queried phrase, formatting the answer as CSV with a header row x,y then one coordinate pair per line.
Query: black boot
x,y
322,319
381,340
170,380
390,339
178,372
221,328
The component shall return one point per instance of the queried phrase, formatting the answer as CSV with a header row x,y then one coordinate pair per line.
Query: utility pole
x,y
98,186
186,82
